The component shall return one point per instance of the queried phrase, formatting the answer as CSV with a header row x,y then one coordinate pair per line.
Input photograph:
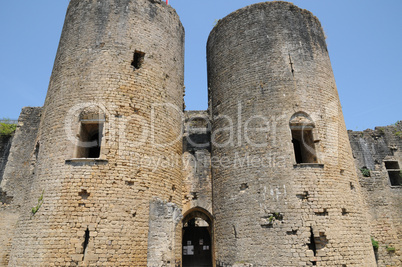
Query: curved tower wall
x,y
97,210
269,73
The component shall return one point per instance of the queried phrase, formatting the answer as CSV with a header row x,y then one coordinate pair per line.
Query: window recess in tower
x,y
302,127
394,172
138,59
90,136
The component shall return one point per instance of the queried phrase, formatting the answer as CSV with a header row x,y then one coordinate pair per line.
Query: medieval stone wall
x,y
5,144
374,151
197,183
113,77
17,178
271,83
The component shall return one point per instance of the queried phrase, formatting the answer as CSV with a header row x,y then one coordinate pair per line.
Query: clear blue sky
x,y
364,41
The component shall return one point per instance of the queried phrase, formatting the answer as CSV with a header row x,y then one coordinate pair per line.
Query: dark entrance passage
x,y
197,241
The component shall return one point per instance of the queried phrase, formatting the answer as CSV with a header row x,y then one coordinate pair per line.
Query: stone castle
x,y
112,172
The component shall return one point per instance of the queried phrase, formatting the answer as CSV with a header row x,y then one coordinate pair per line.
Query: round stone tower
x,y
107,180
285,191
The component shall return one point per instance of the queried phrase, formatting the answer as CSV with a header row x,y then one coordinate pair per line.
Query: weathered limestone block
x,y
163,221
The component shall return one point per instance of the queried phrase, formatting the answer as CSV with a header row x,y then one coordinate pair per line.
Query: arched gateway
x,y
197,238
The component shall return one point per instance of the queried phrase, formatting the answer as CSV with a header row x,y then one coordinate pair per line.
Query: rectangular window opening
x,y
394,173
90,139
304,147
391,165
138,59
395,177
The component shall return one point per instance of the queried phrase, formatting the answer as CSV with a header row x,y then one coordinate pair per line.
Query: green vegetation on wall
x,y
374,243
390,249
37,207
365,172
7,128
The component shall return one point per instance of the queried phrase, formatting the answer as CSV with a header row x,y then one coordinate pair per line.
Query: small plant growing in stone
x,y
275,216
390,249
374,243
398,133
37,207
365,172
7,128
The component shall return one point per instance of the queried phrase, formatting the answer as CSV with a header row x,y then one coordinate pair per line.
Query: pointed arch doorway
x,y
197,248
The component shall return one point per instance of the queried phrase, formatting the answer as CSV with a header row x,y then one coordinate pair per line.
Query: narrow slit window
x,y
138,59
394,173
85,243
311,245
90,139
36,151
